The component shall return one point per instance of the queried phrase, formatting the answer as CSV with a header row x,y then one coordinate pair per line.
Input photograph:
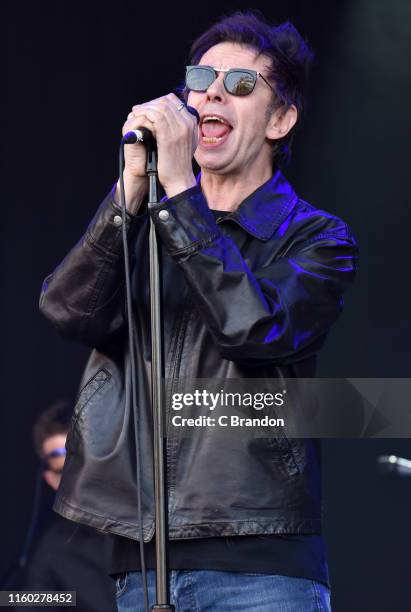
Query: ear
x,y
281,122
52,479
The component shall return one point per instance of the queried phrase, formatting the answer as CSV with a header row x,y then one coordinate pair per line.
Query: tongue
x,y
214,129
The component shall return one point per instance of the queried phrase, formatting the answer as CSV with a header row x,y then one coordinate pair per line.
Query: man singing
x,y
253,279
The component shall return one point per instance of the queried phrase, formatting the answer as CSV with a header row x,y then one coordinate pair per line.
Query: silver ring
x,y
182,105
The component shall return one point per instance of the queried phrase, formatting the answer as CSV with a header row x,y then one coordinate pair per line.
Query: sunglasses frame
x,y
253,73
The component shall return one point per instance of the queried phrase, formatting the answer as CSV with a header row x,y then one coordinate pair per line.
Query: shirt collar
x,y
264,210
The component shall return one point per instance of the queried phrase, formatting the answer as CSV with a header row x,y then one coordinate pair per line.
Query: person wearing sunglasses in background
x,y
253,279
66,557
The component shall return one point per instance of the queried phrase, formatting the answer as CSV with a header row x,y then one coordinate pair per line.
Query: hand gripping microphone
x,y
146,137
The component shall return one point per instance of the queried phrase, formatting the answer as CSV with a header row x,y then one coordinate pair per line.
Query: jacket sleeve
x,y
85,295
280,311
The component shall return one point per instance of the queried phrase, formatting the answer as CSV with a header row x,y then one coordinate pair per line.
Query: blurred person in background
x,y
67,557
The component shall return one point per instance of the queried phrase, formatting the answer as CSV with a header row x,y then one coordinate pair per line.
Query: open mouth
x,y
214,129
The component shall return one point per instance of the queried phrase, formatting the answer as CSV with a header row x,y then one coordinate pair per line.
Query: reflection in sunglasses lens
x,y
199,79
239,83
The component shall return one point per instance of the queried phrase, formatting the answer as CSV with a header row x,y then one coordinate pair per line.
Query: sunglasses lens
x,y
199,78
58,452
239,83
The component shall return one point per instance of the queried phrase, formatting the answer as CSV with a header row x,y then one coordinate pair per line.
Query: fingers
x,y
138,120
174,105
162,114
175,131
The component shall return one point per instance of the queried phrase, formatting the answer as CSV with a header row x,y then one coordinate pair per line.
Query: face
x,y
53,475
242,144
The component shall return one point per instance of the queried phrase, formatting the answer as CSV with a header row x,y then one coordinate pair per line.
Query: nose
x,y
216,92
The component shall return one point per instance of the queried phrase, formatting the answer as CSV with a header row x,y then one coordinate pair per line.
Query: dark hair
x,y
289,54
54,420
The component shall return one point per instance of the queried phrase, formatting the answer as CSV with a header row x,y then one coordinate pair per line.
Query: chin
x,y
209,162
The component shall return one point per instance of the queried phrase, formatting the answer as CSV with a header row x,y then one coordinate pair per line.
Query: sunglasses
x,y
237,81
57,452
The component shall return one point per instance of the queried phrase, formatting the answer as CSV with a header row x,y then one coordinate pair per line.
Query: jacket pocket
x,y
90,389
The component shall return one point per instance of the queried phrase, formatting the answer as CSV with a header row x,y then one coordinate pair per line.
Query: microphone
x,y
145,136
391,464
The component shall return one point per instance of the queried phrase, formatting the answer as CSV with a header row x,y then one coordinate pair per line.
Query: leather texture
x,y
250,296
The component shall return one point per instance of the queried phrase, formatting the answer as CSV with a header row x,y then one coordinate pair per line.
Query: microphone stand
x,y
157,368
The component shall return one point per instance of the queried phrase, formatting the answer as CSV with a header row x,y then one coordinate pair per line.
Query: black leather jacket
x,y
251,296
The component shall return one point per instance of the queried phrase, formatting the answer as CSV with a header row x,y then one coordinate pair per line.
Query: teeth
x,y
212,139
212,118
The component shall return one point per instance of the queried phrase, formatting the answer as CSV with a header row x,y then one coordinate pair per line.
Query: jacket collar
x,y
264,210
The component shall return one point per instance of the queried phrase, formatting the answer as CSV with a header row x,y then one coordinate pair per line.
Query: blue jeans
x,y
215,591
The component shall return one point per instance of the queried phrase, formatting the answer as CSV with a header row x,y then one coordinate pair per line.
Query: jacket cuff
x,y
105,230
185,223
